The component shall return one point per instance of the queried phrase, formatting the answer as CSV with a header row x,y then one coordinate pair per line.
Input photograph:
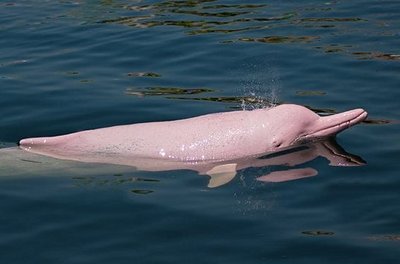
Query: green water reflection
x,y
250,22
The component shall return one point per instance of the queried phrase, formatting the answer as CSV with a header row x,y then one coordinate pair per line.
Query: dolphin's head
x,y
294,124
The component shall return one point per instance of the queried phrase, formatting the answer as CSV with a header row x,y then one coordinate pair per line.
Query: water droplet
x,y
162,152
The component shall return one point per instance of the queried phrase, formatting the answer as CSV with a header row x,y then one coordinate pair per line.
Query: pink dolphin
x,y
216,144
212,137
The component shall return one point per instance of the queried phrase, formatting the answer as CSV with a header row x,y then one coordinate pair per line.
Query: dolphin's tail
x,y
56,147
29,143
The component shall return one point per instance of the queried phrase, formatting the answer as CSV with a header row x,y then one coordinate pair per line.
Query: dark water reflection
x,y
249,20
288,161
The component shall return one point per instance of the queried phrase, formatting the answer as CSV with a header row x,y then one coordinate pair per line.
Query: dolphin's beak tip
x,y
362,111
363,114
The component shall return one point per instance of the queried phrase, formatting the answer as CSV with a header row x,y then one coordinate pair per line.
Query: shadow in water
x,y
289,160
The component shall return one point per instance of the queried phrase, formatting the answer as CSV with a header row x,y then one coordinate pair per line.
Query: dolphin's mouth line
x,y
347,123
320,133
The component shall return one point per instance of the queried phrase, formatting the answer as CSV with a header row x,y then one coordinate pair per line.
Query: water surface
x,y
67,66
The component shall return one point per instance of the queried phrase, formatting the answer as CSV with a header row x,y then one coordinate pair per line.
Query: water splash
x,y
262,85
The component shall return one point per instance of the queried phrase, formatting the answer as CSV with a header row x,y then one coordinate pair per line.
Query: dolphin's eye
x,y
277,144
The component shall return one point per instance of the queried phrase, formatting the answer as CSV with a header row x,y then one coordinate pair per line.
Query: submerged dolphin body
x,y
283,165
211,144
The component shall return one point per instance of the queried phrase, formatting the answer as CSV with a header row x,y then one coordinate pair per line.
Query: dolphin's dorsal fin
x,y
221,174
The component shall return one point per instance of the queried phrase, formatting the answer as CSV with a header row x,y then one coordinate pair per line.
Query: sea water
x,y
67,66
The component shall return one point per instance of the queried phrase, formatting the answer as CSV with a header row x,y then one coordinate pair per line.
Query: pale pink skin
x,y
208,138
218,145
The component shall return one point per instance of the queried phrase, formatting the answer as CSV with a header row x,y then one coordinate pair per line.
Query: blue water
x,y
67,66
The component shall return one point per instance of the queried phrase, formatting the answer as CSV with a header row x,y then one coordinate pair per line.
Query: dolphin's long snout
x,y
333,124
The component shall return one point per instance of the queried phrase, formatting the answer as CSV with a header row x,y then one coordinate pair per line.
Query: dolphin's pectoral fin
x,y
288,175
221,174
